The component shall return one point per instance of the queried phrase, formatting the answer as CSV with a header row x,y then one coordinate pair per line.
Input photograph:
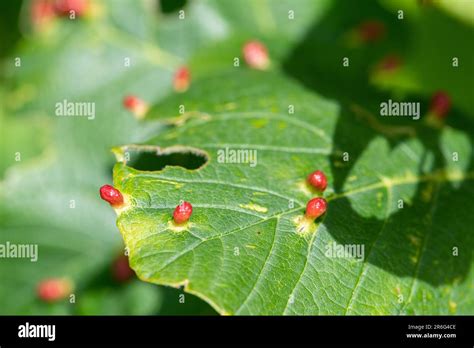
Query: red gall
x,y
182,212
440,104
112,195
54,289
182,79
135,105
65,7
256,55
41,12
315,208
371,31
389,63
121,270
318,180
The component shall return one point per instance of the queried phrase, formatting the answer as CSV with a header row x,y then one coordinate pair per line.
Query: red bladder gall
x,y
65,7
182,79
318,180
371,31
121,270
182,212
41,12
256,55
54,289
440,104
389,63
315,208
135,105
112,195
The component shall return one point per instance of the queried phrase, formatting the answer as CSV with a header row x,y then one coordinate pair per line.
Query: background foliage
x,y
64,159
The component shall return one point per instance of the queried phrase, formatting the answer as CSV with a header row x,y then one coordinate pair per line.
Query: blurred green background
x,y
51,167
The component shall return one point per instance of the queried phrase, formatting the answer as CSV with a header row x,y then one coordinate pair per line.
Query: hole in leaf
x,y
170,6
151,160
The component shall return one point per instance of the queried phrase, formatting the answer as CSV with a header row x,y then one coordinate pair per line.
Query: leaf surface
x,y
246,249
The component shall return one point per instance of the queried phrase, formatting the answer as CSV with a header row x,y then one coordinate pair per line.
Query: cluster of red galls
x,y
314,209
55,289
372,31
316,206
256,56
110,194
254,53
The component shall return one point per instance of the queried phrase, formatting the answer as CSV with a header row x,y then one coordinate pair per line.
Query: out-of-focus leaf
x,y
51,198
